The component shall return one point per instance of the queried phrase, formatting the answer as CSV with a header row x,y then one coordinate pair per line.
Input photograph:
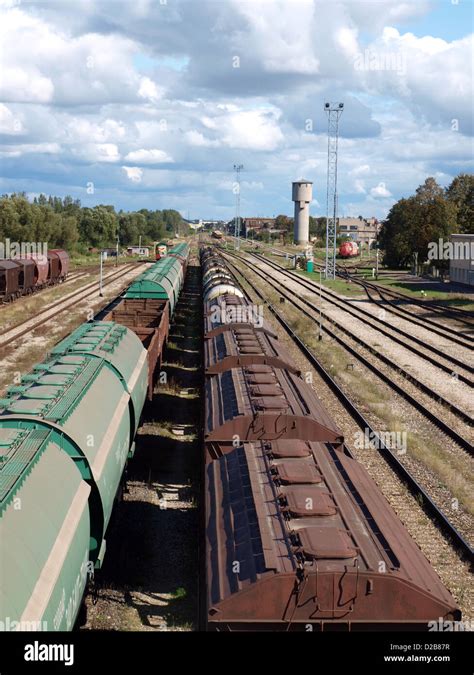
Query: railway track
x,y
445,332
391,459
390,306
24,327
34,291
389,296
463,316
374,323
432,416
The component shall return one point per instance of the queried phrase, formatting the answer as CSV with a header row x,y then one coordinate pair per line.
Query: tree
x,y
97,226
317,228
461,194
63,223
172,219
68,235
283,222
415,222
154,224
132,226
9,219
395,234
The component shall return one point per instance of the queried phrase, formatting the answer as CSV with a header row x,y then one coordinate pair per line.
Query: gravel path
x,y
445,385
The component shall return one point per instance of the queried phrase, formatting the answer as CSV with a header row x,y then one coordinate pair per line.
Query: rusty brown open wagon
x,y
149,320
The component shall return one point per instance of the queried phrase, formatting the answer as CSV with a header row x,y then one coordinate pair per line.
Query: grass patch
x,y
340,286
413,290
179,594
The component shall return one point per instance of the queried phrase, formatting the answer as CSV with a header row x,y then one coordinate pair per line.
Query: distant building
x,y
257,224
461,262
109,252
361,230
139,250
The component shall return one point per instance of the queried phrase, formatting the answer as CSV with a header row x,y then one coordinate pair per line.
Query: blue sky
x,y
446,19
148,104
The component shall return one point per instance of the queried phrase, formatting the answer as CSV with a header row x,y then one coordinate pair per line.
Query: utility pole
x,y
320,333
333,111
101,294
237,168
117,248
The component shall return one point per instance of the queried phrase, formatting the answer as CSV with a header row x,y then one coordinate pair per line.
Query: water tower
x,y
302,196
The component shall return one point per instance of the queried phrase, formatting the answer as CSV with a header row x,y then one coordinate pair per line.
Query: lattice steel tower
x,y
334,111
237,168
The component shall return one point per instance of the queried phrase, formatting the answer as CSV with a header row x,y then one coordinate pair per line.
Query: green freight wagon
x,y
163,281
180,251
66,433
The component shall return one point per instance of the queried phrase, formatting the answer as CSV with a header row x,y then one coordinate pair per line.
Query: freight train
x,y
22,276
297,535
66,434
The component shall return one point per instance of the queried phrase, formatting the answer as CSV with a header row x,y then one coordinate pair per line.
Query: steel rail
x,y
415,488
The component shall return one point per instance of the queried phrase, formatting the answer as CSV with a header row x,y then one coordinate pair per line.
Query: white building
x,y
461,260
139,250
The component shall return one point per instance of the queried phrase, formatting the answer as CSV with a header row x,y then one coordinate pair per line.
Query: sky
x,y
151,103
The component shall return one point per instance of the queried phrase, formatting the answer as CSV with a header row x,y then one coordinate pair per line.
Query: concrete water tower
x,y
302,196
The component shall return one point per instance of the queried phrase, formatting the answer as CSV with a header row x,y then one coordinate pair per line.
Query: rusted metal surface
x,y
331,554
60,261
297,533
9,275
41,269
54,267
294,412
149,319
225,350
26,279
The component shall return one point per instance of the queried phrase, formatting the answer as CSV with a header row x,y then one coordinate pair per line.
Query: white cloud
x,y
199,140
152,156
360,170
149,90
279,33
380,191
430,75
134,173
94,110
250,129
30,148
9,124
228,184
97,152
43,63
359,186
84,130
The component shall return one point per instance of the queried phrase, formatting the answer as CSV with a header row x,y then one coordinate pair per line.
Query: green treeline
x,y
432,213
64,223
